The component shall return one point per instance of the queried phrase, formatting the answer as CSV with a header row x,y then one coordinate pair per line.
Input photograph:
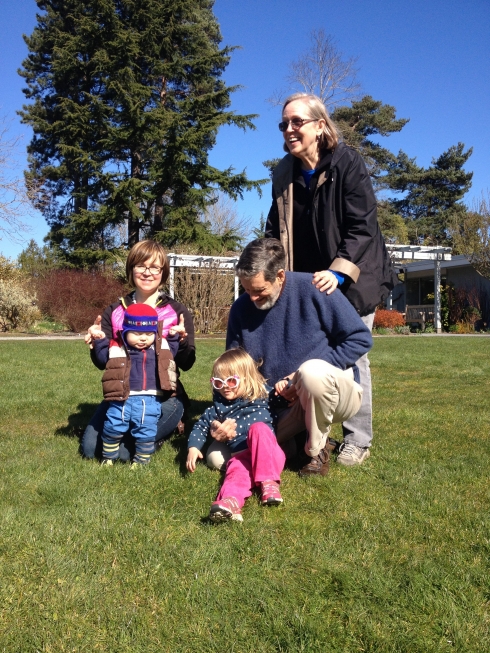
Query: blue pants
x,y
91,444
138,414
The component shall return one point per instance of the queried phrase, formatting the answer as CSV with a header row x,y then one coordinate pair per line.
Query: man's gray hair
x,y
265,255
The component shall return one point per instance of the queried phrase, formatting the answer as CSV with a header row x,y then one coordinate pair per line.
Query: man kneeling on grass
x,y
308,343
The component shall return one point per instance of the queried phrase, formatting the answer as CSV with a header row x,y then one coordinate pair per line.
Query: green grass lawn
x,y
391,556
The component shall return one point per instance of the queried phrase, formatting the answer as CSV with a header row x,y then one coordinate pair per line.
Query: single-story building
x,y
419,282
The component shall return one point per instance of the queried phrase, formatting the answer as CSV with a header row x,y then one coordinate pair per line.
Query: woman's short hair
x,y
147,250
265,255
237,361
330,136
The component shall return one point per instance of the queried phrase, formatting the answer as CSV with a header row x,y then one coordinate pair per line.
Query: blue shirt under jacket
x,y
302,325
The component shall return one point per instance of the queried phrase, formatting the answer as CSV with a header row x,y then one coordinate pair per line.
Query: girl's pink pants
x,y
263,460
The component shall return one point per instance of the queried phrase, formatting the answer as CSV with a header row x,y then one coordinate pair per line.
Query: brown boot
x,y
318,465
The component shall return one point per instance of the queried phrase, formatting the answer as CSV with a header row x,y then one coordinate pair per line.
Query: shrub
x,y
464,327
466,304
17,306
207,293
8,270
388,319
402,330
75,297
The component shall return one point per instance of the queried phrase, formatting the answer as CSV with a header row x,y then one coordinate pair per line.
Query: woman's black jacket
x,y
342,205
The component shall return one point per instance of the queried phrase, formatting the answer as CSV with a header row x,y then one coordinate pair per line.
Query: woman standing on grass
x,y
324,214
147,270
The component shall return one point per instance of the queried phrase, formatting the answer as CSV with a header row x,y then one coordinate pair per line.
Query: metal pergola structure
x,y
401,254
197,261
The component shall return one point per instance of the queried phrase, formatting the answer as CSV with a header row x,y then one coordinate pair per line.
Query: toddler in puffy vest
x,y
131,382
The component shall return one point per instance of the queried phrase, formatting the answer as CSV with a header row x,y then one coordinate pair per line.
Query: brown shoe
x,y
318,465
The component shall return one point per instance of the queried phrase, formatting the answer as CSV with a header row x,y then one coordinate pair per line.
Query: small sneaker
x,y
270,493
107,462
225,509
350,455
137,465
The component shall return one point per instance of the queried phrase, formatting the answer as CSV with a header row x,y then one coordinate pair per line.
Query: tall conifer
x,y
126,100
431,197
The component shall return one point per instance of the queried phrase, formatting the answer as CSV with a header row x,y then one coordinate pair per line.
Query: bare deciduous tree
x,y
471,235
14,199
223,219
322,70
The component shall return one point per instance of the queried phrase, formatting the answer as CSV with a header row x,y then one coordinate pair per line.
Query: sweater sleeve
x,y
200,430
106,327
101,352
234,328
348,335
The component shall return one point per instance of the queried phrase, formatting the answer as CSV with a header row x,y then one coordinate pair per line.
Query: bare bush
x,y
467,304
208,294
75,297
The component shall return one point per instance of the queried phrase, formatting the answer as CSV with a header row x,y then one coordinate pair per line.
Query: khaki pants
x,y
326,395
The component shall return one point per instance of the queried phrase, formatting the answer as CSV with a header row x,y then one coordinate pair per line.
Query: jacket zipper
x,y
144,369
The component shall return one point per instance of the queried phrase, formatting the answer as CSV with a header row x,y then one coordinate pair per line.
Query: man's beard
x,y
271,300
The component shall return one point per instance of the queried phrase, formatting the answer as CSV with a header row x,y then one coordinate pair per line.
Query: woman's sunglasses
x,y
296,123
231,382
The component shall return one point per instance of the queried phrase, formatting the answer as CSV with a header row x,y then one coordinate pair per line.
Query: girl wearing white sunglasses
x,y
256,458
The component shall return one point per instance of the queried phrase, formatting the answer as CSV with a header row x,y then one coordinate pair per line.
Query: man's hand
x,y
325,281
94,332
192,457
223,431
286,388
282,385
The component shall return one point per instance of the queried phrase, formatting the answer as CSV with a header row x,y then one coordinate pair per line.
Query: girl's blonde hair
x,y
315,108
237,361
143,251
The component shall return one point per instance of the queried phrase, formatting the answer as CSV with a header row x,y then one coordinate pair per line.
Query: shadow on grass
x,y
179,443
78,421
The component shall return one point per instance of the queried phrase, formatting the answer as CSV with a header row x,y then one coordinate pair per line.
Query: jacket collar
x,y
126,301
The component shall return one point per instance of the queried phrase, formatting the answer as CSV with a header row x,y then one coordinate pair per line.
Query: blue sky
x,y
428,58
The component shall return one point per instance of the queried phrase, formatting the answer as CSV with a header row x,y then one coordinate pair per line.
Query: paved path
x,y
79,336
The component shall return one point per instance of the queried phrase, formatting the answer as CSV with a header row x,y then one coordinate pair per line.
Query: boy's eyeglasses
x,y
141,269
296,123
231,382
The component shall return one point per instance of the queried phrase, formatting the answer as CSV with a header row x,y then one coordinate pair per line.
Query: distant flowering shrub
x,y
76,297
388,319
17,306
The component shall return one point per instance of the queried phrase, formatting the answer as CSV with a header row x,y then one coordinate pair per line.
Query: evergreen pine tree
x,y
126,103
431,200
361,121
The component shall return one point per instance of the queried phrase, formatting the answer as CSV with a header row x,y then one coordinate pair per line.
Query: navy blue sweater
x,y
303,324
